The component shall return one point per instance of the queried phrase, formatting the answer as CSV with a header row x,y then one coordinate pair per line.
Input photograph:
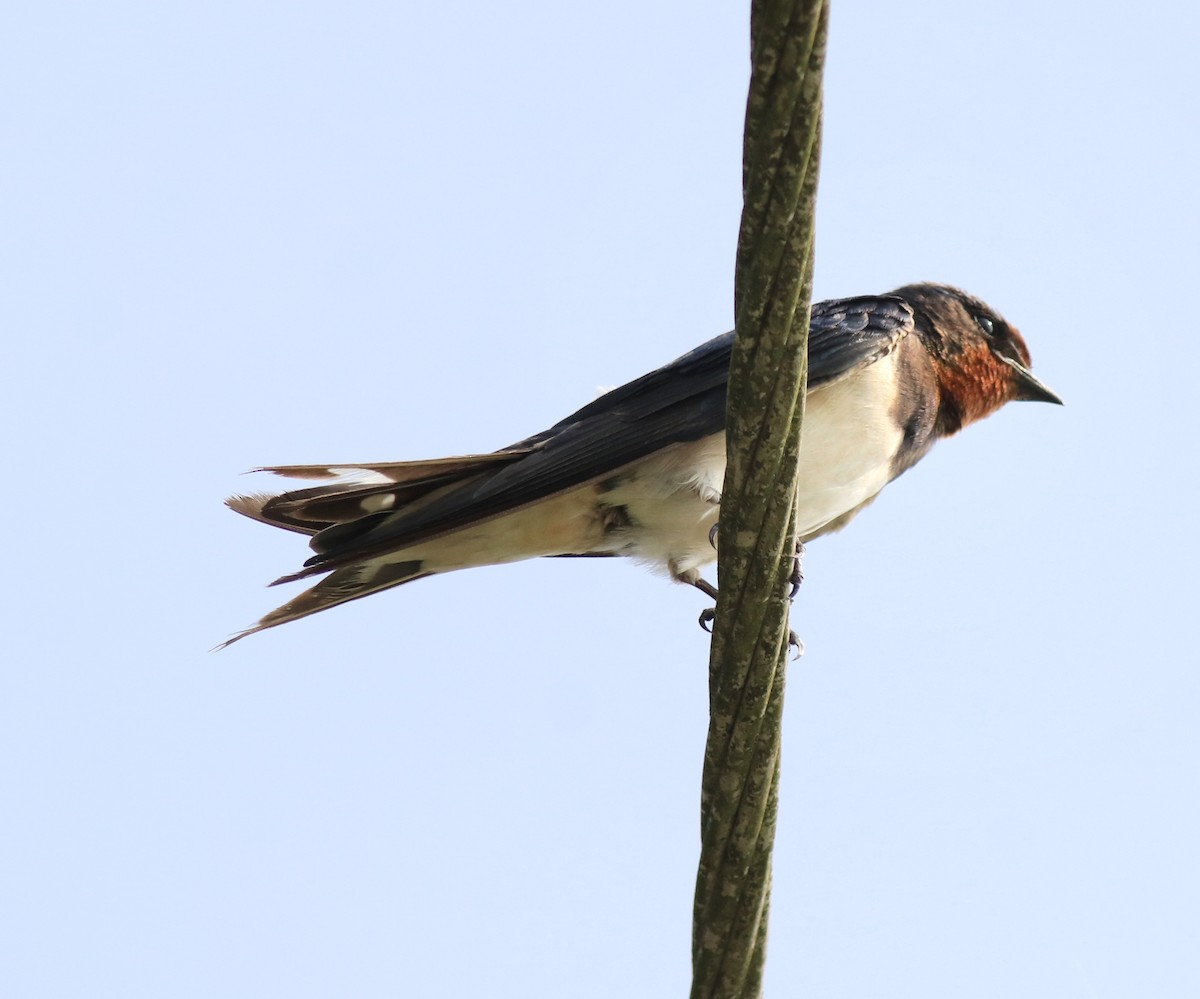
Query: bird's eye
x,y
986,325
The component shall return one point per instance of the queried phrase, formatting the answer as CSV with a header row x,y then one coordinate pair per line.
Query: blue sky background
x,y
245,233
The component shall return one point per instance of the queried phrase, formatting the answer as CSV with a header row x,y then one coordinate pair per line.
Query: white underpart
x,y
672,498
563,524
850,437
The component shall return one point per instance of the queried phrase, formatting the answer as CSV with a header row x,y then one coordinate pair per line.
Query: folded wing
x,y
371,512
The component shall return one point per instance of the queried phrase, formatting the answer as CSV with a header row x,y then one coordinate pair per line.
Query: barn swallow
x,y
639,471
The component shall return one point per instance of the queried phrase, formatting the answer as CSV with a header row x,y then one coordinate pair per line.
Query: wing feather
x,y
682,401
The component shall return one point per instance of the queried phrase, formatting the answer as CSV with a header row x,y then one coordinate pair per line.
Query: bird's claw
x,y
709,615
797,576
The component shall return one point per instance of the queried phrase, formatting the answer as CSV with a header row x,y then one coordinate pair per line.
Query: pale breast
x,y
850,436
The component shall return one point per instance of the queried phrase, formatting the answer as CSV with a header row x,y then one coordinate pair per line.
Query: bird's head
x,y
980,361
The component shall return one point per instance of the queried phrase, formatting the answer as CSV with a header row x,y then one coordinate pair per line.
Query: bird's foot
x,y
709,614
797,576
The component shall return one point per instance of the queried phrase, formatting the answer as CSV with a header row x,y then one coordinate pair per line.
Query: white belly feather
x,y
850,436
664,507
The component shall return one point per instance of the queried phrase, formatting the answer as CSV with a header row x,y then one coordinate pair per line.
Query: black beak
x,y
1029,389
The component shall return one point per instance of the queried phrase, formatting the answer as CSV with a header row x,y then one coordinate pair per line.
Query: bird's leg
x,y
797,576
709,614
